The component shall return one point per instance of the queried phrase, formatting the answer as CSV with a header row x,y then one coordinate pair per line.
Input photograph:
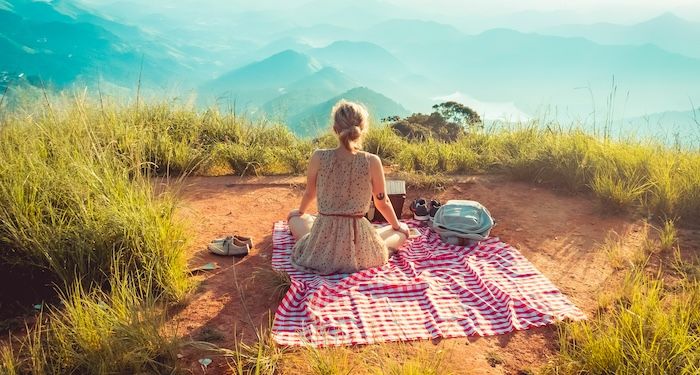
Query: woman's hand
x,y
403,228
294,213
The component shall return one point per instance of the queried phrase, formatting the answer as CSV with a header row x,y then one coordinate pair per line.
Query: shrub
x,y
383,142
246,160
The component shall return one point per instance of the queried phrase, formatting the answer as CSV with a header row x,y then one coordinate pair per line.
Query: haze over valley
x,y
633,69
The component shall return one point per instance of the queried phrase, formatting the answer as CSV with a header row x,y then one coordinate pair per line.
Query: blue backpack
x,y
463,219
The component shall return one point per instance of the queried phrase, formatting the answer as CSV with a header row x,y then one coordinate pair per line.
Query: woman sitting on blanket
x,y
343,180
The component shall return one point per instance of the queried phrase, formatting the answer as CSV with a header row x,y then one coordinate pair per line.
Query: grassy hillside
x,y
77,205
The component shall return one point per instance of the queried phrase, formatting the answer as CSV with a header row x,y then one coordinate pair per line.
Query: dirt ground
x,y
562,235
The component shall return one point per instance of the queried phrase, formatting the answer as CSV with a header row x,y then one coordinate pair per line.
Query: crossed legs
x,y
301,225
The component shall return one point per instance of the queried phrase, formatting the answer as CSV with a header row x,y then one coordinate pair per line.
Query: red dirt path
x,y
560,234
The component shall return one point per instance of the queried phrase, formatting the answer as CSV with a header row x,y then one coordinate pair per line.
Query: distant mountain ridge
x,y
394,32
299,90
530,68
667,31
271,63
59,43
316,119
365,60
308,91
667,124
262,80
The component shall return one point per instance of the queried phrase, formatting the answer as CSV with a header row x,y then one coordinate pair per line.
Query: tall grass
x,y
260,357
623,175
8,362
169,139
77,201
70,200
118,331
668,235
647,325
381,359
649,331
331,361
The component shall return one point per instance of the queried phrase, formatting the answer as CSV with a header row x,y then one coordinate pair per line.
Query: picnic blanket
x,y
427,290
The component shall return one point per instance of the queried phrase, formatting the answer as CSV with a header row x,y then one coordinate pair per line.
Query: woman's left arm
x,y
310,192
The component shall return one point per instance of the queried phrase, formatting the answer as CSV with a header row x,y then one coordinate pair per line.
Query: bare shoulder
x,y
315,159
374,160
317,153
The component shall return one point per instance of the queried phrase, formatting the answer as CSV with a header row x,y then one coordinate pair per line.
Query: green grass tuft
x,y
647,331
273,282
97,332
668,235
261,357
330,361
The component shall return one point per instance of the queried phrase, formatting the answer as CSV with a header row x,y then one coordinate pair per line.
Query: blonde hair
x,y
350,123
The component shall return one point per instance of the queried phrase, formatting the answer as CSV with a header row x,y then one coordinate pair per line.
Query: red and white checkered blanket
x,y
427,290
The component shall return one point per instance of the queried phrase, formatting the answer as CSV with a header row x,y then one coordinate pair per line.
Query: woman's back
x,y
343,184
343,181
341,239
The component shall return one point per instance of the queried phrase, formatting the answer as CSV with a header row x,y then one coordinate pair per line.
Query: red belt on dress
x,y
354,222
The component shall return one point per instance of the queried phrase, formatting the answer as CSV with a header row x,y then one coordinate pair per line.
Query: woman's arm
x,y
381,199
310,192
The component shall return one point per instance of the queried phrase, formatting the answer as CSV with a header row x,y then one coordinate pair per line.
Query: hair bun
x,y
353,132
349,122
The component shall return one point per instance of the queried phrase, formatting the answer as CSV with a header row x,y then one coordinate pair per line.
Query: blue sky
x,y
619,11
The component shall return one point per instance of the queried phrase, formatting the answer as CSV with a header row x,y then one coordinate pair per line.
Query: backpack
x,y
459,220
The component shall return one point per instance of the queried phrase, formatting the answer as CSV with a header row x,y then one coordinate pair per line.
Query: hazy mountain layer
x,y
58,43
666,31
313,89
286,60
258,82
316,119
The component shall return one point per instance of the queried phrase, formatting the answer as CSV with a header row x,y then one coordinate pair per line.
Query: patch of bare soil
x,y
561,235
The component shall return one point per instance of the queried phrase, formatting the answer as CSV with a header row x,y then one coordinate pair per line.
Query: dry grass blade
x,y
272,282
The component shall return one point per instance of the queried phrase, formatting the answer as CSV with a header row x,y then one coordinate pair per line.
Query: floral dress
x,y
341,240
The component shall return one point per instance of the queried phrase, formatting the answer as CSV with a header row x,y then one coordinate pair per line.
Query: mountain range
x,y
270,64
315,119
308,91
57,43
261,81
296,89
666,31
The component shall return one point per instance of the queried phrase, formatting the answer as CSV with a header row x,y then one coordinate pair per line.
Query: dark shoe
x,y
420,210
434,206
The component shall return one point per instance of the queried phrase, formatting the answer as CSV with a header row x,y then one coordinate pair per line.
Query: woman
x,y
343,181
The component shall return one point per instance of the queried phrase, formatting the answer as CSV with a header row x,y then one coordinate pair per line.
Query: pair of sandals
x,y
231,246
